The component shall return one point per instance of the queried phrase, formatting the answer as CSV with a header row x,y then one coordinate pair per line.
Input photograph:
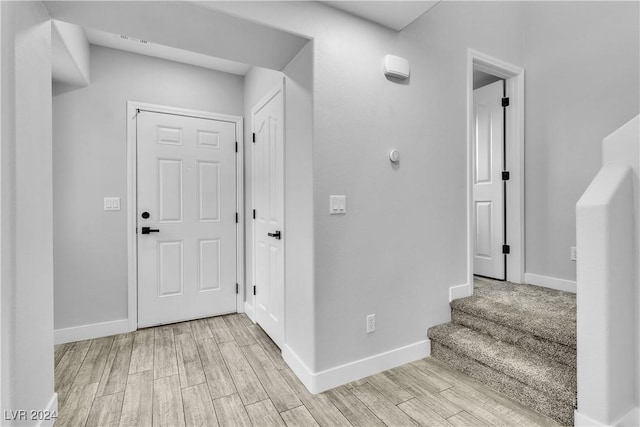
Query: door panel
x,y
186,182
483,229
488,198
268,178
209,191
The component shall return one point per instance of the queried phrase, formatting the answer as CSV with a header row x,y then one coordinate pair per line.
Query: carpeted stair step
x,y
550,349
537,372
550,406
543,313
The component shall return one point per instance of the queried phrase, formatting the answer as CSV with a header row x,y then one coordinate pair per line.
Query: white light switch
x,y
112,203
337,205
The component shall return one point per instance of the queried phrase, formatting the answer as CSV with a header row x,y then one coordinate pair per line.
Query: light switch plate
x,y
112,203
337,205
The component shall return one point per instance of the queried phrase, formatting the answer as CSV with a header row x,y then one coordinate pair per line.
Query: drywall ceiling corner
x,y
70,61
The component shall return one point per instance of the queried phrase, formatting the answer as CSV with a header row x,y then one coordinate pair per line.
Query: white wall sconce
x,y
396,67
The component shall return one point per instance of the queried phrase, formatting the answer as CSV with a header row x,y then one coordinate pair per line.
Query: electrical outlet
x,y
371,323
574,254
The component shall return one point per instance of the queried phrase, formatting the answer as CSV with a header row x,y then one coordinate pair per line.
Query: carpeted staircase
x,y
517,339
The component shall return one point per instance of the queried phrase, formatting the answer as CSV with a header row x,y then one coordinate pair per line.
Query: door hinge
x,y
254,214
254,289
237,288
236,146
505,175
236,217
505,102
254,137
506,249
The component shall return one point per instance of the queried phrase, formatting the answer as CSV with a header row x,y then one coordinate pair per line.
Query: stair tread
x,y
550,377
542,312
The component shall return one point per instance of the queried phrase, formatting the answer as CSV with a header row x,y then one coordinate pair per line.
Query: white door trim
x,y
514,77
132,185
250,302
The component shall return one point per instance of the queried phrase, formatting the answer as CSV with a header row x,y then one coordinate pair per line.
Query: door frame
x,y
514,81
132,208
250,306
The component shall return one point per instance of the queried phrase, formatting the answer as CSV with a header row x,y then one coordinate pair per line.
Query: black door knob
x,y
145,215
149,230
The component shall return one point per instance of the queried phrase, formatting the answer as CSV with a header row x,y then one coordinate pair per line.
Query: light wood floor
x,y
226,371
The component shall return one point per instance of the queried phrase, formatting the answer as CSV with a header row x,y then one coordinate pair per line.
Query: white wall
x,y
7,212
582,83
299,269
89,133
402,243
27,259
71,61
607,273
300,310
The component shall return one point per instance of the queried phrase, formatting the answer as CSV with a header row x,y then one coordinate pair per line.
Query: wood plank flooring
x,y
225,371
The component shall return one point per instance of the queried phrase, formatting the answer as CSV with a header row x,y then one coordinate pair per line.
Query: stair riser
x,y
546,376
559,329
552,350
516,390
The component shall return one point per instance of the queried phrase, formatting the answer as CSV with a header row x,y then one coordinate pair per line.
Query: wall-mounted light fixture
x,y
396,67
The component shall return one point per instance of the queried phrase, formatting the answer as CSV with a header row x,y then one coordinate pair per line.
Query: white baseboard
x,y
249,311
581,420
52,408
459,291
95,330
550,282
334,377
631,419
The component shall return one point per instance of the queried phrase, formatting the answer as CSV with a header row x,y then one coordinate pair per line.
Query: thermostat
x,y
394,156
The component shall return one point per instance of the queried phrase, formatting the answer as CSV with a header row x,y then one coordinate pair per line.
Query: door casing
x,y
514,80
132,208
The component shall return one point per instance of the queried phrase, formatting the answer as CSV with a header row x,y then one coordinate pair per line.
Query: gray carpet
x,y
518,339
555,351
539,311
534,399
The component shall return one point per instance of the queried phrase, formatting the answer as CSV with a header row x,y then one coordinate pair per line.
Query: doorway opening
x,y
495,174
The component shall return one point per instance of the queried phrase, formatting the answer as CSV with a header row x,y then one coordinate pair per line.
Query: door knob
x,y
149,230
276,234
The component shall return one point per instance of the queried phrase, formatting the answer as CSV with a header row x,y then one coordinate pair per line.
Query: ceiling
x,y
143,47
391,14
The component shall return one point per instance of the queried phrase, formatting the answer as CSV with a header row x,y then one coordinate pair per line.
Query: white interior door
x,y
187,198
488,198
268,202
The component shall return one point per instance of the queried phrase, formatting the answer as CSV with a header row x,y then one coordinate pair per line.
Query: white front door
x,y
488,198
268,202
186,217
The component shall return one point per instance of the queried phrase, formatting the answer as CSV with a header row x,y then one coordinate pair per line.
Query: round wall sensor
x,y
394,156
